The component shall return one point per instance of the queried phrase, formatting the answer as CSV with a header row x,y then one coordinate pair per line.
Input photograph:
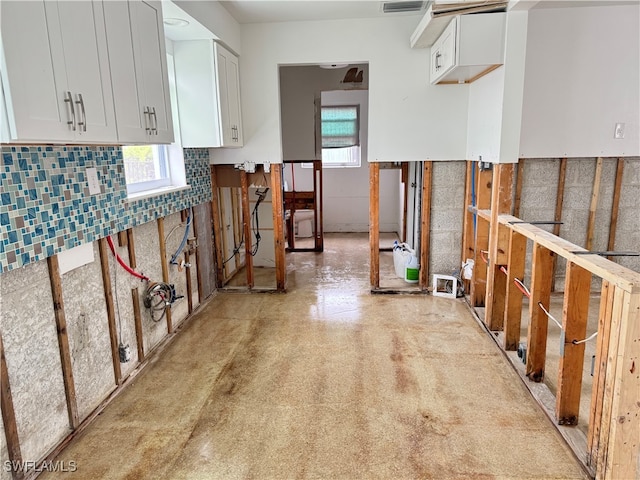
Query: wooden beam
x,y
468,240
319,191
405,203
615,206
217,234
374,226
246,222
538,321
63,340
165,267
513,309
595,194
9,414
278,225
425,224
574,324
483,201
623,453
557,217
609,383
122,238
236,221
111,315
501,201
137,319
518,193
599,371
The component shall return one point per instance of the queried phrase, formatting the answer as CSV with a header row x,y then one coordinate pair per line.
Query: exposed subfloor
x,y
327,381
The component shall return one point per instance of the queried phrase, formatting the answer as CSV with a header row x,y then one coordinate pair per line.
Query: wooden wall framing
x,y
611,447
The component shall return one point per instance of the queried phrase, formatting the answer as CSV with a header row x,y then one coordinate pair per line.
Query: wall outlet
x,y
125,353
619,131
92,180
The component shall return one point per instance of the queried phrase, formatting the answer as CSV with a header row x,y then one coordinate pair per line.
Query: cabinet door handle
x,y
155,120
438,55
69,99
83,123
147,120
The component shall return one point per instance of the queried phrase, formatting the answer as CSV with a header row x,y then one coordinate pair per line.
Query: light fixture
x,y
175,22
333,65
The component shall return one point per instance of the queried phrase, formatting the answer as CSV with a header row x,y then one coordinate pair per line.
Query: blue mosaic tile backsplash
x,y
46,206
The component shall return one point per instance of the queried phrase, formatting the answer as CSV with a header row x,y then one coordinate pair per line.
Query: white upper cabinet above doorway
x,y
55,73
208,86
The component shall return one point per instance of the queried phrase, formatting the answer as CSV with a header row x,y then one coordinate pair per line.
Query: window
x,y
340,129
150,169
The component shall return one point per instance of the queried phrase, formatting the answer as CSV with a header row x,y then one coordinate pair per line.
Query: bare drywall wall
x,y
88,331
582,77
33,359
484,126
410,119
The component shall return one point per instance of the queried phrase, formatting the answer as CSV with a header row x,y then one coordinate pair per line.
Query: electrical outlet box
x,y
125,353
619,131
92,180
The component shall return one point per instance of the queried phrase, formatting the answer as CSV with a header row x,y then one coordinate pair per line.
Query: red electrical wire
x,y
482,252
122,263
503,269
521,287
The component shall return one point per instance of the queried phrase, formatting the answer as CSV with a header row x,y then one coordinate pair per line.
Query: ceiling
x,y
266,11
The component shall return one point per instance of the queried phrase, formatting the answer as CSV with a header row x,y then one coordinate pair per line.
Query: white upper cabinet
x,y
139,71
208,86
471,46
55,73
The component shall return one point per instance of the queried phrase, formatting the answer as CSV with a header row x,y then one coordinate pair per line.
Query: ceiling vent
x,y
403,6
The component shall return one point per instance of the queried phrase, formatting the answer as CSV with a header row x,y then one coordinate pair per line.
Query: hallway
x,y
326,381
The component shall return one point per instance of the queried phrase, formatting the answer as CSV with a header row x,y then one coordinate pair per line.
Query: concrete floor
x,y
327,381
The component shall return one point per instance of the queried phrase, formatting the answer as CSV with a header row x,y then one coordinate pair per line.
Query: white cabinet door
x,y
151,66
229,94
208,85
55,72
443,52
138,65
84,45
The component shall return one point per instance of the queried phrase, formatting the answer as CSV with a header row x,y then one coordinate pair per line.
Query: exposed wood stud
x,y
518,193
595,194
246,222
501,201
623,455
610,383
374,227
235,220
9,414
217,233
278,225
425,224
468,240
599,371
557,217
223,240
111,315
405,203
165,268
483,201
538,322
615,206
187,272
137,319
574,323
131,248
122,238
318,211
513,309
